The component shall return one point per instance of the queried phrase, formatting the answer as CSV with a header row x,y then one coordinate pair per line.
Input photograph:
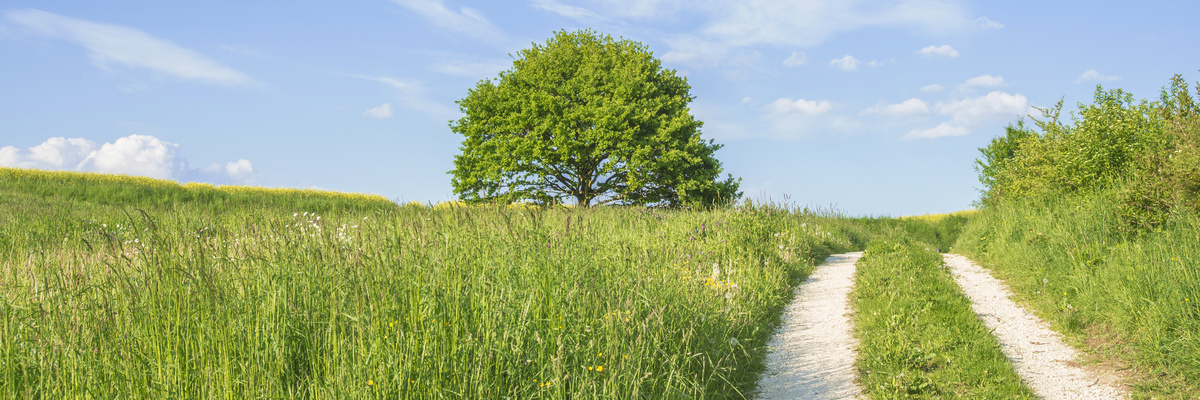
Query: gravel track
x,y
1041,359
812,355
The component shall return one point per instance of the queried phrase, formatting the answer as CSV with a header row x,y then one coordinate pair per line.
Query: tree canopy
x,y
588,119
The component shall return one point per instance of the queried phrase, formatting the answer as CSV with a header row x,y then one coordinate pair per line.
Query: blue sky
x,y
872,107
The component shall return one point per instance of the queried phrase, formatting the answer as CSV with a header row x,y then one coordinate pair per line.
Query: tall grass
x,y
238,296
1132,299
918,336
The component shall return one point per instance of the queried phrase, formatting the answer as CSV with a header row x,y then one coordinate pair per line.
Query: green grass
x,y
108,293
918,336
1131,301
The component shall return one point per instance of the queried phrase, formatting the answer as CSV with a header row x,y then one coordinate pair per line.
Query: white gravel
x,y
1041,359
812,355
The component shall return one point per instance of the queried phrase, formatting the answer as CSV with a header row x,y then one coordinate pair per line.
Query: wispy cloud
x,y
932,88
942,51
846,63
796,59
412,94
983,81
1094,75
466,21
942,130
986,23
572,12
474,69
913,106
383,111
112,45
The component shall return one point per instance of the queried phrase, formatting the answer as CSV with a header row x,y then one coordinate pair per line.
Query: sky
x,y
866,107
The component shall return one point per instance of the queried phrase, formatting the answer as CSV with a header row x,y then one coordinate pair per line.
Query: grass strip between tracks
x,y
918,336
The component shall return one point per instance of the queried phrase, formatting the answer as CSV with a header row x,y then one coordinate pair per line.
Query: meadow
x,y
116,288
1130,300
1095,222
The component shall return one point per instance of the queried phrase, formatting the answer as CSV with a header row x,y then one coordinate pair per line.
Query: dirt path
x,y
812,355
1041,359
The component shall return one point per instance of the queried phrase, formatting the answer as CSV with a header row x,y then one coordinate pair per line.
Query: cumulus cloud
x,y
110,45
1094,75
942,51
796,59
381,112
136,155
846,63
141,155
913,106
970,113
932,88
466,21
986,23
810,107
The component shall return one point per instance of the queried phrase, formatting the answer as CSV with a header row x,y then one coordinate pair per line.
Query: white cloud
x,y
810,107
141,155
1094,75
404,85
10,156
239,172
971,113
796,59
54,153
466,21
136,155
987,23
913,106
932,88
565,10
726,26
381,112
876,63
745,100
994,105
61,152
983,81
118,45
847,63
944,51
413,96
942,130
640,9
809,23
474,70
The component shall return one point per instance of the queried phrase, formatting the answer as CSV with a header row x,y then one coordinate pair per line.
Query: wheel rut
x,y
812,354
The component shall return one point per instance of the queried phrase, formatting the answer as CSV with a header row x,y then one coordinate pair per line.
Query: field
x,y
116,286
112,291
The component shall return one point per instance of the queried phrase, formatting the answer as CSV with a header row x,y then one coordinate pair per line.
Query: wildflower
x,y
370,382
600,368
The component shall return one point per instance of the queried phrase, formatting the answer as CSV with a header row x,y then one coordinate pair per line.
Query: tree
x,y
586,118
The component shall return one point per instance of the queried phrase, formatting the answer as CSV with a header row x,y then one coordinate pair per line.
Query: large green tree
x,y
586,119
